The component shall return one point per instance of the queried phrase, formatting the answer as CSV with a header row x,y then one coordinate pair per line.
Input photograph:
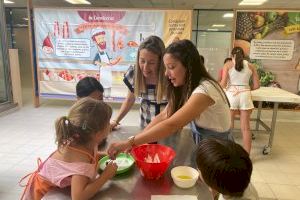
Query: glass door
x,y
3,83
5,86
212,31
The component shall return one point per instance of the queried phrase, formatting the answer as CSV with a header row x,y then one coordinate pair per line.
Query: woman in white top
x,y
193,96
236,78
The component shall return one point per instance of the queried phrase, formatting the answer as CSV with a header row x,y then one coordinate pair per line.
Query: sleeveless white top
x,y
217,116
240,78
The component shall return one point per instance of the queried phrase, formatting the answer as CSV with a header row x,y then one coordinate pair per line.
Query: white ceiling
x,y
173,4
215,17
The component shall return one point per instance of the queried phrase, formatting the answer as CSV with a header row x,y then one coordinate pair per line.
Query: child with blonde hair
x,y
74,163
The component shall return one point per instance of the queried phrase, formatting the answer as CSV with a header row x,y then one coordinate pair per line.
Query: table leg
x,y
267,148
257,118
258,115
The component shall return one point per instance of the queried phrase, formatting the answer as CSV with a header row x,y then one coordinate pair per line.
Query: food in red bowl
x,y
153,159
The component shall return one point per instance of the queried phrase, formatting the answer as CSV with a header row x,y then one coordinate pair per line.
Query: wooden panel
x,y
15,76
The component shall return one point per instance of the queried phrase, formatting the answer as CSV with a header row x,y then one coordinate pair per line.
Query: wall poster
x,y
271,39
74,43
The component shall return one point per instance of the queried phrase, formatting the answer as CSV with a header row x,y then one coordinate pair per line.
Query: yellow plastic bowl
x,y
184,176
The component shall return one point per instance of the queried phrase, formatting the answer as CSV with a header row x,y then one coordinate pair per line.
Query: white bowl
x,y
184,176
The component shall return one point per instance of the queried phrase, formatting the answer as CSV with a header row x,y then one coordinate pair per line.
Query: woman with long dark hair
x,y
193,97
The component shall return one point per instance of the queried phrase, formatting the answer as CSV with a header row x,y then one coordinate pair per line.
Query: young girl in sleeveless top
x,y
236,79
74,163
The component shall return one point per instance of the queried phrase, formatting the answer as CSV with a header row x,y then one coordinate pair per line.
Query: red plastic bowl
x,y
153,170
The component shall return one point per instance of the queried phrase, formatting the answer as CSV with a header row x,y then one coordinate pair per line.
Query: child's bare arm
x,y
255,78
83,189
224,77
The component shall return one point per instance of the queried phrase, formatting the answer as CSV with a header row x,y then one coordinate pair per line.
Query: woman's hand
x,y
115,148
114,125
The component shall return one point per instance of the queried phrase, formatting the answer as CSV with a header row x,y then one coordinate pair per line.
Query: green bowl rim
x,y
126,155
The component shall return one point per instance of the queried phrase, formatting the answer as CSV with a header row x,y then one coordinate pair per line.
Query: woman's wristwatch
x,y
131,140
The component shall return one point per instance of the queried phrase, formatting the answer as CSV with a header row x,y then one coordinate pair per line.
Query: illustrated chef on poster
x,y
103,61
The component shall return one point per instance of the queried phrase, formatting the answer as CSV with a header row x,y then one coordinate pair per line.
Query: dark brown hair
x,y
225,166
86,117
227,59
186,53
239,57
87,86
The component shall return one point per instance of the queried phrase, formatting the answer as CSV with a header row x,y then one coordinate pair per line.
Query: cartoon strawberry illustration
x,y
47,45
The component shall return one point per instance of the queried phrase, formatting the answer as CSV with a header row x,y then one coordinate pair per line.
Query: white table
x,y
275,95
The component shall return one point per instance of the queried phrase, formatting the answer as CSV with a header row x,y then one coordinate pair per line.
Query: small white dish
x,y
184,176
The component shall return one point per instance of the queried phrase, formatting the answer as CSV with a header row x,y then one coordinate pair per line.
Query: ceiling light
x,y
212,29
78,1
252,2
228,15
218,25
8,2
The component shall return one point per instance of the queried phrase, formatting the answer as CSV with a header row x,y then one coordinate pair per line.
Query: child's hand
x,y
110,169
102,154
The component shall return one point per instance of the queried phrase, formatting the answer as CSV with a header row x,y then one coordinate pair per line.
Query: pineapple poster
x,y
271,40
74,43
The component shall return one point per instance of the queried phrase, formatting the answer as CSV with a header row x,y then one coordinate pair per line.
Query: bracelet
x,y
131,140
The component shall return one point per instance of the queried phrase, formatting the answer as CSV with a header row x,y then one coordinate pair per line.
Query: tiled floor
x,y
28,133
